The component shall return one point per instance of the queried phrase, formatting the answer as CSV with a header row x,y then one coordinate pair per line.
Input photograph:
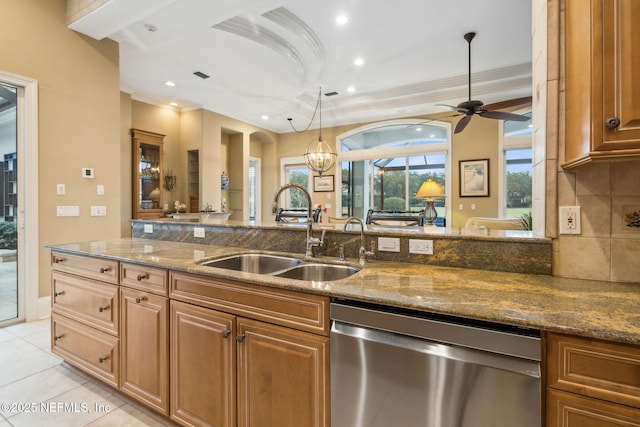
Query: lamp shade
x,y
429,189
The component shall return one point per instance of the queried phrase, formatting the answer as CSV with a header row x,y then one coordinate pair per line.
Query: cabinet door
x,y
203,366
283,376
602,79
572,410
144,348
147,174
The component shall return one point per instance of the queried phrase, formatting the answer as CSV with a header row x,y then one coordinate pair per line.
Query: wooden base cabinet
x,y
572,410
282,376
145,348
203,366
592,383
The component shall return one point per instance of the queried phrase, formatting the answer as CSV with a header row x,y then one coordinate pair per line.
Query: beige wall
x,y
79,120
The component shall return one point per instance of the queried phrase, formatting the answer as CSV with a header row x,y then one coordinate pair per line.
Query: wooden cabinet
x,y
85,314
602,78
282,376
147,174
274,342
592,382
203,366
145,348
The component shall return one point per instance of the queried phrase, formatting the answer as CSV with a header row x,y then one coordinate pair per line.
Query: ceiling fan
x,y
471,107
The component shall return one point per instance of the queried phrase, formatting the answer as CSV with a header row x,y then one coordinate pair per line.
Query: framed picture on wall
x,y
474,178
323,183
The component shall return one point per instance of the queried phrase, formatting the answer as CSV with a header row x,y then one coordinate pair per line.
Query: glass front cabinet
x,y
147,174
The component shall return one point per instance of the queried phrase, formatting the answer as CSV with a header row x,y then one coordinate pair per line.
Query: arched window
x,y
382,166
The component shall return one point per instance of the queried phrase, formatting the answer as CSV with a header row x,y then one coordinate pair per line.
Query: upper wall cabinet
x,y
147,174
602,78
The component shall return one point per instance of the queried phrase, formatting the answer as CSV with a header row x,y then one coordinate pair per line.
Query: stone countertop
x,y
587,308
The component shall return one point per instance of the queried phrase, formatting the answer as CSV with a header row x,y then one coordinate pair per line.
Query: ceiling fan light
x,y
319,156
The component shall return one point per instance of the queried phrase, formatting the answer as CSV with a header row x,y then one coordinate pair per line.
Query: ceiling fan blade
x,y
508,103
501,115
448,107
463,123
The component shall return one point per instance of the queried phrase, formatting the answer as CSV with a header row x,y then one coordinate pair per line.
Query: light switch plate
x,y
98,211
60,189
100,190
198,231
389,244
68,210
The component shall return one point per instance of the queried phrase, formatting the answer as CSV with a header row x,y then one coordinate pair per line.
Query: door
x,y
11,297
283,376
145,348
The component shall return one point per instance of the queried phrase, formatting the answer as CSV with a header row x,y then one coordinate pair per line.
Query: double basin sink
x,y
283,266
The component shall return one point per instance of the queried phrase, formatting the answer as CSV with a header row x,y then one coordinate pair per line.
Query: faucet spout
x,y
311,241
362,252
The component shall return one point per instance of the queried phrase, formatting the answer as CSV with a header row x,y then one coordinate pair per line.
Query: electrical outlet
x,y
198,231
60,189
148,228
421,246
569,219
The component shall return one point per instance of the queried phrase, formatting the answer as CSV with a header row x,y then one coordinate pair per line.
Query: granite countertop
x,y
587,308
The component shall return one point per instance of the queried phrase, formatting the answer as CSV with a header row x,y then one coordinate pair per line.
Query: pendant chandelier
x,y
319,156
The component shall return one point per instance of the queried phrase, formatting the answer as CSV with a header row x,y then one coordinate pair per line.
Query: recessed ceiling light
x,y
351,89
433,135
264,117
173,104
358,62
342,19
418,129
169,83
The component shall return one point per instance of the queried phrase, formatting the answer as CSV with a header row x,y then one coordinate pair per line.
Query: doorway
x,y
10,305
19,294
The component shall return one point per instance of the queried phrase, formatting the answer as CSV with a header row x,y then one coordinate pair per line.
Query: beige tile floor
x,y
59,394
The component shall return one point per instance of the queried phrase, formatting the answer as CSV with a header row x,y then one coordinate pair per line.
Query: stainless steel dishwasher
x,y
401,368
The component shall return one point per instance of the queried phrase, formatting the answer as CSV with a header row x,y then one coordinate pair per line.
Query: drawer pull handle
x,y
101,309
240,337
57,294
105,269
225,333
103,359
142,277
58,260
56,338
140,299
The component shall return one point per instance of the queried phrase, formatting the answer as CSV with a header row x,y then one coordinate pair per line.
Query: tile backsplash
x,y
609,246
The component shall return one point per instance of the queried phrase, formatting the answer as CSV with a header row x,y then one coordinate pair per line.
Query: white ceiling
x,y
269,57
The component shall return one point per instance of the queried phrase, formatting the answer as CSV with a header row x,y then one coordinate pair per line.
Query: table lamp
x,y
428,191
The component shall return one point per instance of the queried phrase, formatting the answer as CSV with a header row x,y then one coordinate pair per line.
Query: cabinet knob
x,y
103,359
240,337
101,309
612,122
56,338
140,299
142,277
225,333
105,269
57,294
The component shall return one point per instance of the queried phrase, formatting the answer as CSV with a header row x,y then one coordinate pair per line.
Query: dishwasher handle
x,y
340,331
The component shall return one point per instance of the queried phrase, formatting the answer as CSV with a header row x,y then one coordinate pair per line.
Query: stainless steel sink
x,y
318,272
283,266
254,263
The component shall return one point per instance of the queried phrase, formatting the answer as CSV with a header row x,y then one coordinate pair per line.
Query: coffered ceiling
x,y
268,58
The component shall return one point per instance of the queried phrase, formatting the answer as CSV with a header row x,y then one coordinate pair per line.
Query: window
x,y
295,172
382,167
517,183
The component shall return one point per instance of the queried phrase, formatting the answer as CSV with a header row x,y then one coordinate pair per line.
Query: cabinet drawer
x,y
571,410
306,312
601,369
88,301
86,348
94,268
144,278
